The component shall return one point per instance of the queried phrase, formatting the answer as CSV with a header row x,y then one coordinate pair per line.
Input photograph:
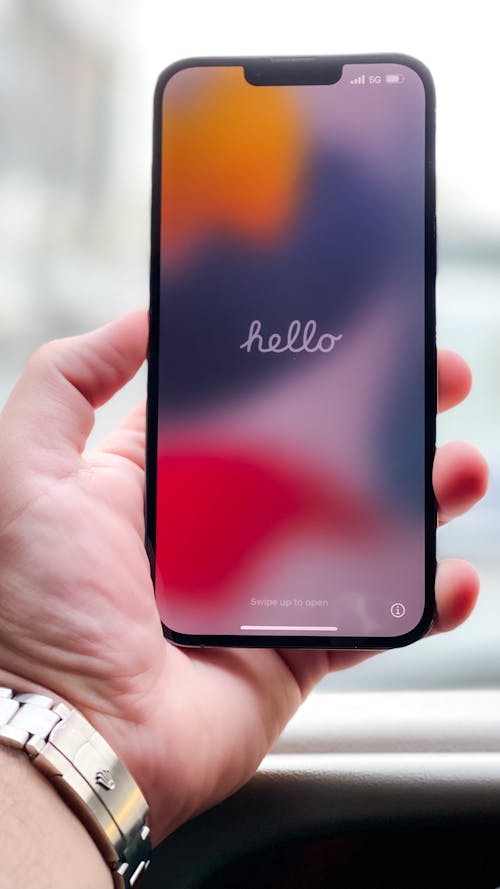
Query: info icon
x,y
398,609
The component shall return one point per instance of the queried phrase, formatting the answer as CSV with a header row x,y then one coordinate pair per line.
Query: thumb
x,y
52,405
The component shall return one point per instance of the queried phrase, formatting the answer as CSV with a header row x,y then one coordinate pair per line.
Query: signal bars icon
x,y
358,80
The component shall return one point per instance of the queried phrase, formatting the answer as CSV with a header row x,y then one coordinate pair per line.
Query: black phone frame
x,y
301,66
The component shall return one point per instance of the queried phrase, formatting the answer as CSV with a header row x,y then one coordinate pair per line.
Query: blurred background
x,y
76,86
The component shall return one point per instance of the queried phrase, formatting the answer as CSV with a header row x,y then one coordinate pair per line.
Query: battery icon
x,y
394,78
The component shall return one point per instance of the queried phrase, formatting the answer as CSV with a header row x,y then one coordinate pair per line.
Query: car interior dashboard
x,y
386,790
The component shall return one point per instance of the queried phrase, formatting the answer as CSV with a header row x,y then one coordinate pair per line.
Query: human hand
x,y
77,609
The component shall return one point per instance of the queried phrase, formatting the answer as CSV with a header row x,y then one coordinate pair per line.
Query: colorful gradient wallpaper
x,y
291,394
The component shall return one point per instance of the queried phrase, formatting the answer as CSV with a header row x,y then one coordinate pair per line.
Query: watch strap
x,y
86,772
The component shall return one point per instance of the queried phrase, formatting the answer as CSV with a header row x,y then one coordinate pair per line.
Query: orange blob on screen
x,y
231,158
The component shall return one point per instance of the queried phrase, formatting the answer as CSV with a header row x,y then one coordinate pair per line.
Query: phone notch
x,y
298,71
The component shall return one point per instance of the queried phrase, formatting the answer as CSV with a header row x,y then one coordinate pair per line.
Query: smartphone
x,y
292,358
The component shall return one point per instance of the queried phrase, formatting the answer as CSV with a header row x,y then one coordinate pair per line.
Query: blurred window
x,y
76,85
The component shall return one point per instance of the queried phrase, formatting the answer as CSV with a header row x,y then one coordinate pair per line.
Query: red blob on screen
x,y
219,510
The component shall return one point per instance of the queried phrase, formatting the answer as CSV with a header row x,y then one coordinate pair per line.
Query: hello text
x,y
297,339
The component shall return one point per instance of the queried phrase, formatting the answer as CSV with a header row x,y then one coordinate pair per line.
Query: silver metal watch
x,y
86,772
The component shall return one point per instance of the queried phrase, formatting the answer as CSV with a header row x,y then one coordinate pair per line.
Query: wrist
x,y
137,756
43,843
63,745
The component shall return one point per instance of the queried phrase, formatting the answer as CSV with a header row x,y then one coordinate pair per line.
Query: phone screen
x,y
291,472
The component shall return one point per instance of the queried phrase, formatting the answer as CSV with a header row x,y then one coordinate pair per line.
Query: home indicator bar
x,y
316,629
